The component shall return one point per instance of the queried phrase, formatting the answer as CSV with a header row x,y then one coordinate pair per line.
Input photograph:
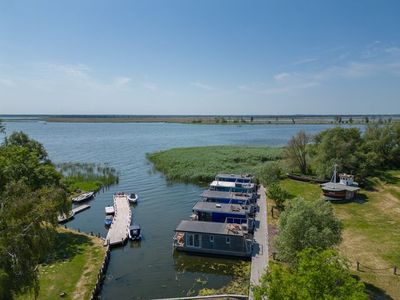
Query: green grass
x,y
201,164
371,229
72,269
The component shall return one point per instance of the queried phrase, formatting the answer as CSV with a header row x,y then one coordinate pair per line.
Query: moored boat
x,y
83,197
109,210
108,220
135,233
133,198
65,217
345,189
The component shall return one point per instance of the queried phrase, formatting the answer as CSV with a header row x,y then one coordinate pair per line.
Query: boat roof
x,y
234,176
210,227
331,186
226,195
220,207
231,184
134,226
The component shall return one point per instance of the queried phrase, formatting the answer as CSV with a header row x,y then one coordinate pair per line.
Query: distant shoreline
x,y
209,120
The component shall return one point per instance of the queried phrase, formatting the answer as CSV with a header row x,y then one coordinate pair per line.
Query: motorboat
x,y
108,220
133,198
65,217
83,197
135,232
110,210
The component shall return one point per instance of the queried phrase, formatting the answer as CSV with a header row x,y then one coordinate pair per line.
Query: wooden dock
x,y
65,218
119,229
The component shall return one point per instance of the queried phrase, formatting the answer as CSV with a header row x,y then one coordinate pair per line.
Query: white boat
x,y
133,198
110,210
83,197
65,217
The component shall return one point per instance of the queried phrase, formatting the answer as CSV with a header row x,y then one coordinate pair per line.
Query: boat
x,y
108,220
234,187
240,178
65,217
83,197
345,189
110,210
213,238
133,198
135,232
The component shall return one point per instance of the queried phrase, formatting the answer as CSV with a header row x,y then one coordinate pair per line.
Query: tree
x,y
31,197
2,129
270,173
278,194
306,225
336,146
296,151
318,275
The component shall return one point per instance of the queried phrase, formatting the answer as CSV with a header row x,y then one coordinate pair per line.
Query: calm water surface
x,y
149,269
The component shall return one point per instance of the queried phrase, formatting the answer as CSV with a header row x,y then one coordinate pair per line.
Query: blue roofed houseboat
x,y
235,187
241,178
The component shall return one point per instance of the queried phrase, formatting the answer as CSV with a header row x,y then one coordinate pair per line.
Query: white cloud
x,y
121,81
202,86
282,76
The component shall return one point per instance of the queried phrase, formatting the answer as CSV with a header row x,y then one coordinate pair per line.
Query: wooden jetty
x,y
64,218
119,229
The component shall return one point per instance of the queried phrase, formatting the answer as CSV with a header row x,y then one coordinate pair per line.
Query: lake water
x,y
149,269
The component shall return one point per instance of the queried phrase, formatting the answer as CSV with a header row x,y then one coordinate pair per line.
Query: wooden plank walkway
x,y
65,218
80,208
259,260
119,229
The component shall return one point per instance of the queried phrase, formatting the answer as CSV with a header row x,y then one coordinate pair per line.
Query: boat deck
x,y
119,229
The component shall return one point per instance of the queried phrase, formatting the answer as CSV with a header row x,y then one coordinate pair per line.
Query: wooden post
x,y
395,270
358,266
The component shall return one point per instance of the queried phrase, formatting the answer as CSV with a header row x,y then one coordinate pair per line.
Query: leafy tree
x,y
296,151
336,146
271,173
2,130
31,197
306,225
278,194
318,275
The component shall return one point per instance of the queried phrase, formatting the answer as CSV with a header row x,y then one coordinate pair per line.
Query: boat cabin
x,y
235,187
228,197
223,213
213,238
345,189
241,178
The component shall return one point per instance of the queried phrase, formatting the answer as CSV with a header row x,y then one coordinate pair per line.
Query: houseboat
x,y
223,213
242,178
213,238
228,197
234,187
135,232
345,189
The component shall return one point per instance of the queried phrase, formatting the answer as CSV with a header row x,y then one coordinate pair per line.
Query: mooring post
x,y
395,270
358,266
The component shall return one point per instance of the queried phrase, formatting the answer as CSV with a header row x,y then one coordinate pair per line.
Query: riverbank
x,y
72,269
200,164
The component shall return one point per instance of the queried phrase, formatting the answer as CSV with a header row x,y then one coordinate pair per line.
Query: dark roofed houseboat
x,y
228,197
213,238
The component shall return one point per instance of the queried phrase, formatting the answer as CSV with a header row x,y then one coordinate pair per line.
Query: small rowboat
x,y
83,197
65,217
110,210
133,198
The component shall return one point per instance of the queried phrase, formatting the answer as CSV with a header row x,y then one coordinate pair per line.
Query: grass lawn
x,y
72,269
201,164
371,230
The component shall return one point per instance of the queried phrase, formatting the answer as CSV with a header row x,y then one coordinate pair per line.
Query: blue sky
x,y
200,57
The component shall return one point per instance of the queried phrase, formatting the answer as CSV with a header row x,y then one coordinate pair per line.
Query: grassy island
x,y
200,164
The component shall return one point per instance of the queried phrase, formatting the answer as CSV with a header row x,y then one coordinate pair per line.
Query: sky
x,y
200,57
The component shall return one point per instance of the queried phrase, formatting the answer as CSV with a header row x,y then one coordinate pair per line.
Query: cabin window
x,y
228,240
193,240
211,239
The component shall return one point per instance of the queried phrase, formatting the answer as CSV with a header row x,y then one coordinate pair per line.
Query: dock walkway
x,y
119,229
259,260
80,208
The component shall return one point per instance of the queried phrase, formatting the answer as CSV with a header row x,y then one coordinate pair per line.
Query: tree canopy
x,y
31,197
317,275
296,151
306,224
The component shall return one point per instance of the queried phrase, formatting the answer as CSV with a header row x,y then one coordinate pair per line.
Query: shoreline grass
x,y
201,164
72,268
